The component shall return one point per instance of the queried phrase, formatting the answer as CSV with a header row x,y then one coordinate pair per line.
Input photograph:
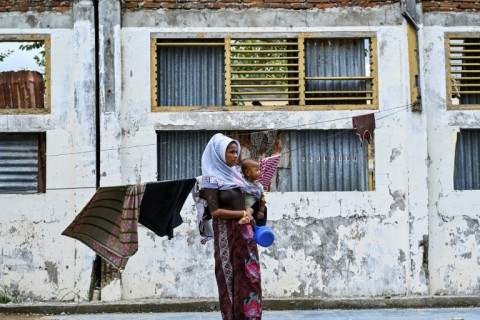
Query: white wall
x,y
36,260
328,244
339,244
453,215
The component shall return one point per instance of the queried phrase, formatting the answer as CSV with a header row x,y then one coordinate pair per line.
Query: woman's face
x,y
231,155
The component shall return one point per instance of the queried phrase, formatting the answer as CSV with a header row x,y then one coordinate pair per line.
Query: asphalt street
x,y
376,314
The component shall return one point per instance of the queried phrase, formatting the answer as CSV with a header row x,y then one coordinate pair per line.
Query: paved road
x,y
377,314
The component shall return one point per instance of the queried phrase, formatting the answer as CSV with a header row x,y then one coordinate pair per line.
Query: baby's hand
x,y
260,215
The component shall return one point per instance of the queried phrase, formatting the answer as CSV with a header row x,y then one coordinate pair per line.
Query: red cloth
x,y
365,125
268,167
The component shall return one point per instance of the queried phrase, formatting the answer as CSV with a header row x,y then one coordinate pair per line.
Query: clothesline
x,y
339,133
403,107
284,152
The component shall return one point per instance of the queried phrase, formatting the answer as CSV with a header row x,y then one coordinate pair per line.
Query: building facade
x,y
134,90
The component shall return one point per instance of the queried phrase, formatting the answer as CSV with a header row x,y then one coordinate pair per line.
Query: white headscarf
x,y
216,174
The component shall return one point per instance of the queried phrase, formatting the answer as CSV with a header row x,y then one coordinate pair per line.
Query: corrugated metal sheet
x,y
19,162
190,76
22,90
313,160
467,166
335,57
180,153
328,160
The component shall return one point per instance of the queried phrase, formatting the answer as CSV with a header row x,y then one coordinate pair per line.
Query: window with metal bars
x,y
240,73
463,71
466,174
22,162
312,160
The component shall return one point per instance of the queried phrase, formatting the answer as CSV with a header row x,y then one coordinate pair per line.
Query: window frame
x,y
41,163
47,79
465,154
448,76
226,44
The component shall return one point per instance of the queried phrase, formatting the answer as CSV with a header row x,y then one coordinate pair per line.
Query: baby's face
x,y
253,172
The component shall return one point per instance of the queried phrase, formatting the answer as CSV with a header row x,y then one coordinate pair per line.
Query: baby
x,y
251,173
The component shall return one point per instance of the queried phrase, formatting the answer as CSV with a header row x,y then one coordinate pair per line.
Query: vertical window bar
x,y
301,69
153,72
374,70
42,163
228,73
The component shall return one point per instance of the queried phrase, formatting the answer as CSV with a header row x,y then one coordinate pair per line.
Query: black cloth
x,y
259,222
162,203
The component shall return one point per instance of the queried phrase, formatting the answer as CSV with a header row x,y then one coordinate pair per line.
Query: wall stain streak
x,y
52,271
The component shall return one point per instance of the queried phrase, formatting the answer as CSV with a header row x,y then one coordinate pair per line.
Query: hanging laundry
x,y
256,139
108,224
162,203
268,167
262,142
365,125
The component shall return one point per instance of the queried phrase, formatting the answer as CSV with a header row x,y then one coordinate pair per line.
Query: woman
x,y
237,267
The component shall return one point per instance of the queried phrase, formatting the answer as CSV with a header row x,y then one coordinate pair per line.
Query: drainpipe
x,y
97,94
96,275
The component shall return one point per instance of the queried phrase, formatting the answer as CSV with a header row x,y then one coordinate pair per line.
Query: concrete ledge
x,y
198,305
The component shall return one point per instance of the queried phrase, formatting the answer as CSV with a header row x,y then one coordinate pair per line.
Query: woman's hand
x,y
249,214
248,218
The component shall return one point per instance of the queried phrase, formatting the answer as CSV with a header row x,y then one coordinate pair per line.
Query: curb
x,y
196,305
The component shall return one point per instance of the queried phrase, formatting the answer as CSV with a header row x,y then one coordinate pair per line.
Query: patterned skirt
x,y
237,270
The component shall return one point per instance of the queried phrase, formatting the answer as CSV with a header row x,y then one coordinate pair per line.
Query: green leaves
x,y
29,46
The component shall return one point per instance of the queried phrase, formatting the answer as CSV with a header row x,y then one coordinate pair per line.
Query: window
x,y
312,160
240,73
338,72
190,73
466,174
463,71
22,162
24,74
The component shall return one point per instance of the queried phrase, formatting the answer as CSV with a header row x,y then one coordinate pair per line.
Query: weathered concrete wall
x,y
337,244
454,260
35,259
329,244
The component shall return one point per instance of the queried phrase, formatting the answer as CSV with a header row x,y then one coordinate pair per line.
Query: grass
x,y
4,295
7,296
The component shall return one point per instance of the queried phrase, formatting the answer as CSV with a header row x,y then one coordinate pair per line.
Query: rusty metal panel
x,y
22,90
190,76
312,160
19,162
467,166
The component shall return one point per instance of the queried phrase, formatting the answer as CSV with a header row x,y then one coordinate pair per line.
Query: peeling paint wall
x,y
36,262
413,235
454,261
333,244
